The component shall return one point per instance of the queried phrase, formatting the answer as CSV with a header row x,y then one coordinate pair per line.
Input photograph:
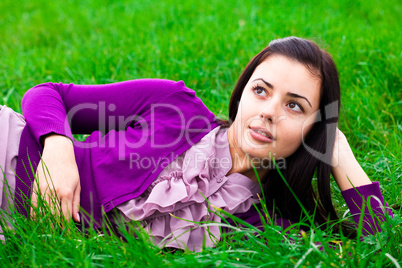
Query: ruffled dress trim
x,y
178,200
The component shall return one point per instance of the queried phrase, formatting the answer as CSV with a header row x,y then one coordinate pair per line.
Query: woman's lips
x,y
259,137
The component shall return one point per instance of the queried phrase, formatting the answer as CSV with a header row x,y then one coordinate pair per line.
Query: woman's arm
x,y
67,109
357,189
152,119
345,168
55,111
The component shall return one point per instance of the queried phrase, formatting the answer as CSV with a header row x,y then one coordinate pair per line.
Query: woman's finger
x,y
66,207
76,203
53,201
35,198
34,202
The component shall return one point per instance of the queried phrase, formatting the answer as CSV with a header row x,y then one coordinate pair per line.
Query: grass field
x,y
207,44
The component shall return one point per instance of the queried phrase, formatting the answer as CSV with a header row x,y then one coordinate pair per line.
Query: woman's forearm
x,y
349,174
345,168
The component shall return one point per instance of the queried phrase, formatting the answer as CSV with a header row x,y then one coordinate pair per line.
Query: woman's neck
x,y
240,160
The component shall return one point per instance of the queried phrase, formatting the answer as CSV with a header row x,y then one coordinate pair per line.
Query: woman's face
x,y
280,99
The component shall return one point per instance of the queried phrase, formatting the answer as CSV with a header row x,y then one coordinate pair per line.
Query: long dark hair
x,y
302,165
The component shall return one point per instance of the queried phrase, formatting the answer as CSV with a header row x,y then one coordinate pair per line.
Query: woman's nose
x,y
271,111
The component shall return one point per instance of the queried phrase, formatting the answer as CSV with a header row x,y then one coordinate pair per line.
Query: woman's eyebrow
x,y
294,95
265,82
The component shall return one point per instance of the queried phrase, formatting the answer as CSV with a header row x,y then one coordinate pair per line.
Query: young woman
x,y
155,154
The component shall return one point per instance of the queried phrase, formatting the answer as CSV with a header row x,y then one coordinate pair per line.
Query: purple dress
x,y
178,186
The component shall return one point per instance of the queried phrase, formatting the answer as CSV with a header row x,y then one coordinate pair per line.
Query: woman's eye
x,y
260,91
295,106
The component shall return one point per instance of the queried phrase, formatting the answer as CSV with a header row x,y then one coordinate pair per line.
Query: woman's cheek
x,y
294,136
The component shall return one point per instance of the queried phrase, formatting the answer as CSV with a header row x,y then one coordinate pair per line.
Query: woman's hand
x,y
345,168
58,176
342,152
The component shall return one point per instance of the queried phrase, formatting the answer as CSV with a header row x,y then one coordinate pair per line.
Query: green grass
x,y
207,45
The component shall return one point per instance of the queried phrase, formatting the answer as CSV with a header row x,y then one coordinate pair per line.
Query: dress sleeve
x,y
68,109
369,195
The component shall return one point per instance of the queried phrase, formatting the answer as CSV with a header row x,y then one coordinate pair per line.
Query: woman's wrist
x,y
60,146
57,140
